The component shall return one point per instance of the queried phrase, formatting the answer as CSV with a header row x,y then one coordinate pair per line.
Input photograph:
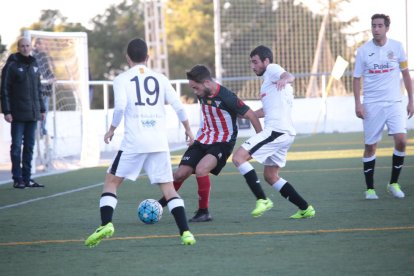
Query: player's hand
x,y
108,136
410,110
359,111
189,138
8,118
280,84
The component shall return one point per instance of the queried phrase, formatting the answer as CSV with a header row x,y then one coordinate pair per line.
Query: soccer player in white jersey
x,y
140,98
379,62
215,139
270,146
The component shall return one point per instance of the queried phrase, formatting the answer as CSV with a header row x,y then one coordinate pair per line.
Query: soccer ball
x,y
149,211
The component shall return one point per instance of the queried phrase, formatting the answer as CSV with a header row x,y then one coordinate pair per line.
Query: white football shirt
x,y
141,95
380,67
277,104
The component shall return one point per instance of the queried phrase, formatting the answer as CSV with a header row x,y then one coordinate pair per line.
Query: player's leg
x,y
368,161
187,165
107,205
241,160
271,175
373,125
203,168
273,164
123,166
159,171
180,175
396,125
176,206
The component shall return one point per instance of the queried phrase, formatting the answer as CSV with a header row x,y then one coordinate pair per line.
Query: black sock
x,y
162,201
180,219
106,214
107,211
369,168
397,164
254,184
290,193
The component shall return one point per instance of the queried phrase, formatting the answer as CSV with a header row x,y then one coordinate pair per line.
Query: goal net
x,y
67,138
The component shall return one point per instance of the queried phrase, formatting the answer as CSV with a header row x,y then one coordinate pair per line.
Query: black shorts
x,y
197,151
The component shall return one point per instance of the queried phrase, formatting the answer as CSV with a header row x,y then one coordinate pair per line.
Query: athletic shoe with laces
x,y
201,215
100,233
395,190
308,213
187,238
370,194
262,205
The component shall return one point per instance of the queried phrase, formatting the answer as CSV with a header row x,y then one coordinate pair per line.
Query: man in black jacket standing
x,y
22,105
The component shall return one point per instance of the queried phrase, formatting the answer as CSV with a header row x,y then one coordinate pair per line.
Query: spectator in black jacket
x,y
22,106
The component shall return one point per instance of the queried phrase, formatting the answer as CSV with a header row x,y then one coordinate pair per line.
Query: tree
x,y
190,36
109,36
189,25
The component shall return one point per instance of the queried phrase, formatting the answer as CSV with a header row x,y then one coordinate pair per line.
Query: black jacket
x,y
21,89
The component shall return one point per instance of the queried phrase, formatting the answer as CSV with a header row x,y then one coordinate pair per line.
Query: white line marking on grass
x,y
58,194
50,196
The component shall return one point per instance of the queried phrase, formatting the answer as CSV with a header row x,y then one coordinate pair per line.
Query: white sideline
x,y
50,196
58,194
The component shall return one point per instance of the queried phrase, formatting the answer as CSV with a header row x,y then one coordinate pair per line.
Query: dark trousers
x,y
22,133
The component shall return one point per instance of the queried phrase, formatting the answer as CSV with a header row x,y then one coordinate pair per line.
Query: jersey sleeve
x,y
171,97
359,65
234,103
402,58
275,71
120,101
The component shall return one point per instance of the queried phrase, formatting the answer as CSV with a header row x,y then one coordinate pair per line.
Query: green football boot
x,y
308,213
187,238
262,205
102,232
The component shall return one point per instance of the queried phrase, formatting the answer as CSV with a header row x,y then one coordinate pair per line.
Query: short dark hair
x,y
199,73
137,50
263,52
387,20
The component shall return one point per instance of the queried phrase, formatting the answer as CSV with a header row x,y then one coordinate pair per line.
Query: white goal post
x,y
69,131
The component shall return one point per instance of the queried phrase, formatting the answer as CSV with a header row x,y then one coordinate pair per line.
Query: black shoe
x,y
19,184
33,184
201,215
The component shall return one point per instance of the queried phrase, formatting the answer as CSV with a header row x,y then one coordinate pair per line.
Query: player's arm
x,y
285,78
259,113
251,115
409,87
173,99
120,103
359,108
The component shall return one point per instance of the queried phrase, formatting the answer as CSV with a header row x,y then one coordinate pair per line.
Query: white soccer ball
x,y
150,211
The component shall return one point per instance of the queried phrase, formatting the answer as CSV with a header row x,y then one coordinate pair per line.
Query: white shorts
x,y
269,147
380,114
157,165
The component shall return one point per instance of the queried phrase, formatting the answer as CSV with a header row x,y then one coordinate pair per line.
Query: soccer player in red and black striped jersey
x,y
215,138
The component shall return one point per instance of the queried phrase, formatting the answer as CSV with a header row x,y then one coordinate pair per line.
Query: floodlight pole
x,y
217,40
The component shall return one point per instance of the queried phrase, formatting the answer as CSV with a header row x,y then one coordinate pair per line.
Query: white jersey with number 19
x,y
141,95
